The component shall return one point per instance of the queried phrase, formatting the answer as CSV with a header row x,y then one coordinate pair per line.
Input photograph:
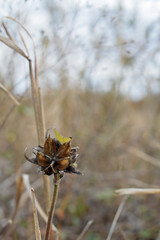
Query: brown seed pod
x,y
55,156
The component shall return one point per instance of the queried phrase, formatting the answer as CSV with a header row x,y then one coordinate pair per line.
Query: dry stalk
x,y
6,231
6,30
144,156
19,190
115,220
38,206
36,98
36,222
10,111
9,94
137,191
53,204
81,236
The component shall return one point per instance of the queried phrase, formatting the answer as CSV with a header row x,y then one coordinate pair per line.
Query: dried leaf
x,y
36,222
6,30
54,146
24,42
137,191
42,160
62,165
9,94
12,45
48,146
20,187
40,210
35,56
64,150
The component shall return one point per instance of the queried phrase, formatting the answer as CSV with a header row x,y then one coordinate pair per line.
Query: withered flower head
x,y
56,156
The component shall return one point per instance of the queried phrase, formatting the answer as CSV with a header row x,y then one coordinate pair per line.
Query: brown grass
x,y
119,149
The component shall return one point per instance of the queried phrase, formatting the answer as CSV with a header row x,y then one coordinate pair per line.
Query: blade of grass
x,y
39,118
39,209
35,56
6,30
6,231
81,236
145,157
10,95
36,222
10,43
137,191
11,110
19,190
115,220
24,43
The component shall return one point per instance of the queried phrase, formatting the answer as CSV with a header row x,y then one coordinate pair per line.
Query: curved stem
x,y
53,204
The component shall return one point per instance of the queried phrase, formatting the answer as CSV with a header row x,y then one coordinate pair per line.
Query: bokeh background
x,y
98,64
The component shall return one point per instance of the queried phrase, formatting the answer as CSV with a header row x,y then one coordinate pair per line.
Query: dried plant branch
x,y
6,30
125,237
35,95
7,116
39,209
28,33
36,222
140,184
145,157
11,110
24,43
137,191
10,43
53,204
115,220
81,236
6,231
19,190
155,144
10,95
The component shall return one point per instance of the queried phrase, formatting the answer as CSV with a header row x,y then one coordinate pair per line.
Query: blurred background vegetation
x,y
100,77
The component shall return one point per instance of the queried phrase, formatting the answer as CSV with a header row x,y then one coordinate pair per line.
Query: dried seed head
x,y
56,156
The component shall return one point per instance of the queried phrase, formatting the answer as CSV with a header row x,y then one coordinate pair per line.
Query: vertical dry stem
x,y
36,94
53,204
37,103
36,222
115,220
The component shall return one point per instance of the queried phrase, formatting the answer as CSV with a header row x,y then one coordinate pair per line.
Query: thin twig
x,y
145,157
10,43
36,222
19,190
7,116
9,94
123,233
11,110
6,231
89,223
35,93
38,206
115,220
53,204
6,30
24,43
137,191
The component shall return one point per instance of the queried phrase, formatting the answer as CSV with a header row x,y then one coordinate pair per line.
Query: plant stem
x,y
53,204
39,117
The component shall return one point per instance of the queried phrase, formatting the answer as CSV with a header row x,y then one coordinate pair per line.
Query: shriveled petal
x,y
43,161
48,146
64,150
